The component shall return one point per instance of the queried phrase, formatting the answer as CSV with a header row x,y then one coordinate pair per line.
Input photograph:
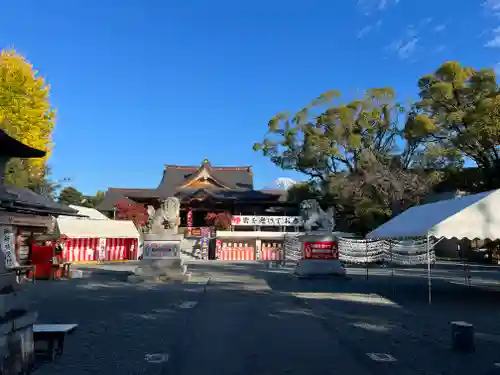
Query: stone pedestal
x,y
161,258
320,256
462,337
17,354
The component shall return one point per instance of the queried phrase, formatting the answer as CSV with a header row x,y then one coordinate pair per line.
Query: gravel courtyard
x,y
251,320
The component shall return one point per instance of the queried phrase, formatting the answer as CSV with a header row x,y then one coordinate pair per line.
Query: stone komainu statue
x,y
314,217
156,220
172,208
167,214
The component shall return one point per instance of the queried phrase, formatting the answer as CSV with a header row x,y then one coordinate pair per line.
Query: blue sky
x,y
139,84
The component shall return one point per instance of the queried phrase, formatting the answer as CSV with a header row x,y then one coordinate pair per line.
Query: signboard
x,y
195,232
204,244
275,221
326,250
27,220
102,250
7,245
161,249
201,232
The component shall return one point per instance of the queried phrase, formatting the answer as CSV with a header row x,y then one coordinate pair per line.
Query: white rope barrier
x,y
369,251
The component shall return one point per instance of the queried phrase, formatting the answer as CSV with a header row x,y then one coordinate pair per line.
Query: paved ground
x,y
250,320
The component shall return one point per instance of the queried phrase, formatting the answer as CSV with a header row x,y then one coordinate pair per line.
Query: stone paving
x,y
250,320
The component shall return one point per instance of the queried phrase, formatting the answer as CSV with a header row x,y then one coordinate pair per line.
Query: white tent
x,y
473,217
88,212
88,228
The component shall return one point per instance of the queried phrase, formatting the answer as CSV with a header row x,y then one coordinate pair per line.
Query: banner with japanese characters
x,y
274,221
7,245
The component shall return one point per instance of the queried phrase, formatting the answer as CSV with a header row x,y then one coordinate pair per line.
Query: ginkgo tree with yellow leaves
x,y
25,114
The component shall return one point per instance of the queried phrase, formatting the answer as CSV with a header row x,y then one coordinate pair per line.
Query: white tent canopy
x,y
473,216
88,228
91,213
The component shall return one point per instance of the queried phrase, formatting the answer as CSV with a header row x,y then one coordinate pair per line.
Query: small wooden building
x,y
20,210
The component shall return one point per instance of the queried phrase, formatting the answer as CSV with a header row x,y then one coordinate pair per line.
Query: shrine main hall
x,y
206,189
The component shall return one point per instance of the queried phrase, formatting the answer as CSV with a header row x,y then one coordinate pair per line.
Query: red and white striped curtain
x,y
87,249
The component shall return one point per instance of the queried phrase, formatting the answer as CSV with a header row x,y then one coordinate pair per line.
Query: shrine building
x,y
207,189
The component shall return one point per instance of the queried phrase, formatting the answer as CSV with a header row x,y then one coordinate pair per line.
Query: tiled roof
x,y
114,195
238,178
27,200
228,194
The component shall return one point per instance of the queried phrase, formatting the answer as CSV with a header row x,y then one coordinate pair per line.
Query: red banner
x,y
326,250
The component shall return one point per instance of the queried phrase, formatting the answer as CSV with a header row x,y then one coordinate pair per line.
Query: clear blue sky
x,y
138,84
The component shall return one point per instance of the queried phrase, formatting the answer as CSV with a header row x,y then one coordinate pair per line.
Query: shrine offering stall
x,y
250,246
88,241
22,213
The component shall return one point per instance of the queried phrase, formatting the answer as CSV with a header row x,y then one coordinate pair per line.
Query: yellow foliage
x,y
25,111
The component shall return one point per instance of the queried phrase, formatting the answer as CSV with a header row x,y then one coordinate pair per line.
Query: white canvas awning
x,y
473,216
87,228
88,212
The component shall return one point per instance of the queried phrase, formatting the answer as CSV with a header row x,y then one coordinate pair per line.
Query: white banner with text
x,y
274,221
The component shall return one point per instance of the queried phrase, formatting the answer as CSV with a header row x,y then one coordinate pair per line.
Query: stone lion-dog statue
x,y
314,217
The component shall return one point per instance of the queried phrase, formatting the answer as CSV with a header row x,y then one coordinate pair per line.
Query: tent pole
x,y
390,252
429,281
366,258
392,266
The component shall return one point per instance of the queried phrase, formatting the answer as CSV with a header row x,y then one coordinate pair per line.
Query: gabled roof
x,y
247,195
179,180
473,216
174,176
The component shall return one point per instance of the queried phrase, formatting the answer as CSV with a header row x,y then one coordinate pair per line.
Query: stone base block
x,y
319,268
158,270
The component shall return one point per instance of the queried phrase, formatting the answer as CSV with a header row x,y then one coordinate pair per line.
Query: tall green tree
x,y
458,115
93,201
17,173
70,195
350,152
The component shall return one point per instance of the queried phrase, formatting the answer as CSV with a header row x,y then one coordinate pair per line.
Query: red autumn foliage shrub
x,y
221,220
127,210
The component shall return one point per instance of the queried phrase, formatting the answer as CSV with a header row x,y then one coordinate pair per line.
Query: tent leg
x,y
366,258
429,279
392,268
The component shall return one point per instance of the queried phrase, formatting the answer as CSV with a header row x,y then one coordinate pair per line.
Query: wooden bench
x,y
53,336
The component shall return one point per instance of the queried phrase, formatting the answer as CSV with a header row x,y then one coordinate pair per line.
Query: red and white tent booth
x,y
87,240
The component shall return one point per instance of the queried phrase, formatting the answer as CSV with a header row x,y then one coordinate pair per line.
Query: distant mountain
x,y
282,183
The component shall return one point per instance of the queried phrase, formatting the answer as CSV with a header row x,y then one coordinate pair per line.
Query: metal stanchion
x,y
366,258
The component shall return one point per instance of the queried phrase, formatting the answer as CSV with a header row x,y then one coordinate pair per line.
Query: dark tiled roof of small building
x,y
27,200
